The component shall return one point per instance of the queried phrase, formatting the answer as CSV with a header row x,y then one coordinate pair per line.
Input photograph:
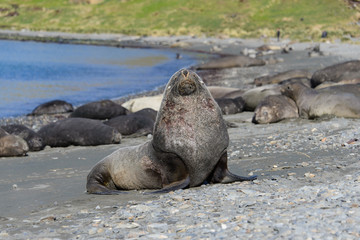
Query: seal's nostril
x,y
185,73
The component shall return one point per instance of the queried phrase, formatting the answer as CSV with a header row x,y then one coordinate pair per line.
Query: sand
x,y
43,194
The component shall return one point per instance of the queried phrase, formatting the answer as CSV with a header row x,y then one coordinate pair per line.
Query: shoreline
x,y
308,184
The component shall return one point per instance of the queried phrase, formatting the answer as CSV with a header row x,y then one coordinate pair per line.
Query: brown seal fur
x,y
313,104
231,62
275,108
189,146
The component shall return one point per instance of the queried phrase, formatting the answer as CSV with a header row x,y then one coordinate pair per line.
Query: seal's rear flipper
x,y
173,186
221,174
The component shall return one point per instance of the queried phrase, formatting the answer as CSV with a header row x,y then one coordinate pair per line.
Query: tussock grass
x,y
297,19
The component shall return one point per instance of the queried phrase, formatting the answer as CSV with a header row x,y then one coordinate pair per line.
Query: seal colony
x,y
189,146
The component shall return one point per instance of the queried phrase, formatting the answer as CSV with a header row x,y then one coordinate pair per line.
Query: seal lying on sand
x,y
78,131
231,62
312,103
254,96
11,145
349,70
231,105
52,107
104,109
275,108
33,139
136,124
264,80
189,146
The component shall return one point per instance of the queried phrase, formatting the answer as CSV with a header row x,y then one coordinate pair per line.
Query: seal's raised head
x,y
190,124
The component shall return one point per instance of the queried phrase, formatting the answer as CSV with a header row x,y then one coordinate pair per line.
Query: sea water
x,y
32,73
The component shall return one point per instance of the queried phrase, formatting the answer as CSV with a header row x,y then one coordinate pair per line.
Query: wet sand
x,y
295,153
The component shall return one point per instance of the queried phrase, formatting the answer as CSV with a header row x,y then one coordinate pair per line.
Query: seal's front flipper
x,y
221,174
173,186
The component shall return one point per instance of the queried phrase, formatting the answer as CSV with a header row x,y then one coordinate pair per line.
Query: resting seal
x,y
349,70
104,109
231,105
275,108
33,139
279,77
231,62
313,104
136,124
11,145
52,107
78,131
189,146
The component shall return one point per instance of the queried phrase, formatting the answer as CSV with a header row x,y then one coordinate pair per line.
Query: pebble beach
x,y
308,184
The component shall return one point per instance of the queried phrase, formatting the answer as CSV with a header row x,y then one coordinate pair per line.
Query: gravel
x,y
307,188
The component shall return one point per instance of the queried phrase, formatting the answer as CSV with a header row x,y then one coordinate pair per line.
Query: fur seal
x,y
11,145
183,152
276,78
231,105
104,109
313,104
78,131
231,62
33,139
52,107
275,108
349,70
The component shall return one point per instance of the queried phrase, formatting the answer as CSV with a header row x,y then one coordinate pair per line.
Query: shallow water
x,y
32,73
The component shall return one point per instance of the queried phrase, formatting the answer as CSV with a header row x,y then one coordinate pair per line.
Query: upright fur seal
x,y
189,146
53,107
104,109
78,131
313,104
33,139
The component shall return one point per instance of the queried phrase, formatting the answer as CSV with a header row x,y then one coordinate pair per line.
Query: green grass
x,y
297,19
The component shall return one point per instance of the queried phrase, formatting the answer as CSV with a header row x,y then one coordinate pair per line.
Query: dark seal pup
x,y
33,139
140,123
189,146
52,107
104,109
313,104
231,105
78,132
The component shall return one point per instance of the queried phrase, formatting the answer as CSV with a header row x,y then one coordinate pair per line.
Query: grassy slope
x,y
298,19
